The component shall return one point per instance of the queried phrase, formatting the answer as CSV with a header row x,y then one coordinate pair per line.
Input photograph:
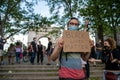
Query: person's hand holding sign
x,y
60,42
86,25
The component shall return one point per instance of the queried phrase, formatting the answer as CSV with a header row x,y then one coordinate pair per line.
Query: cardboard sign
x,y
76,41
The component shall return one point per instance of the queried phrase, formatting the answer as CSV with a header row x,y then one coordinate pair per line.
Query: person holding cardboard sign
x,y
70,62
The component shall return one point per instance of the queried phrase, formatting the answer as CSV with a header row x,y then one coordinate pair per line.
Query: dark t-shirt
x,y
49,46
1,44
34,46
106,58
98,45
40,47
93,54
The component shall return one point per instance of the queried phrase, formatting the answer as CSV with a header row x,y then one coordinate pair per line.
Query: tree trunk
x,y
1,27
100,34
115,33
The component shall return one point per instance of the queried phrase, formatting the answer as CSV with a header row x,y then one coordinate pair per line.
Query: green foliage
x,y
104,16
17,16
62,10
55,32
105,13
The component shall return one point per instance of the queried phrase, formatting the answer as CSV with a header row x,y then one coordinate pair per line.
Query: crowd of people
x,y
17,53
39,50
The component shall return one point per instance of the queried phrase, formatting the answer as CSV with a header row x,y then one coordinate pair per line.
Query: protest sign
x,y
76,41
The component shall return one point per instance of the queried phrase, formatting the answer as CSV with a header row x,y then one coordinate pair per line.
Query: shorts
x,y
11,54
1,52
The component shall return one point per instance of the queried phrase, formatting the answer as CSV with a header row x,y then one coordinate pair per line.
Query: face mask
x,y
106,48
72,27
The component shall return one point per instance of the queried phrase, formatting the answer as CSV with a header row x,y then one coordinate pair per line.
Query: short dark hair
x,y
72,19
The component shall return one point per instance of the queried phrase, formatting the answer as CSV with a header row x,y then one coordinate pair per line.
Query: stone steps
x,y
96,72
29,69
40,72
28,72
27,66
32,78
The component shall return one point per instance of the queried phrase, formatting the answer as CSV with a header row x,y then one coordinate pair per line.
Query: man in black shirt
x,y
40,53
34,50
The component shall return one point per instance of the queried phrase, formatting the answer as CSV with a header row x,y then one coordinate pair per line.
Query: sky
x,y
42,8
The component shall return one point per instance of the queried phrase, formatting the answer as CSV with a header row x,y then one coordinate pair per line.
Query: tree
x,y
113,16
17,16
104,15
62,10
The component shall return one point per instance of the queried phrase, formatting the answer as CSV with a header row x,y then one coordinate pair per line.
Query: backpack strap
x,y
60,57
66,55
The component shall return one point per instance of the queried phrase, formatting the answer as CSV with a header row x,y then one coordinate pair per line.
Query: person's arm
x,y
98,60
57,49
86,25
94,60
85,56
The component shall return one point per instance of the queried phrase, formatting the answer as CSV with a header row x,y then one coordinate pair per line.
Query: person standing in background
x,y
11,54
98,50
93,52
34,47
49,51
30,51
1,50
40,53
18,49
25,55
